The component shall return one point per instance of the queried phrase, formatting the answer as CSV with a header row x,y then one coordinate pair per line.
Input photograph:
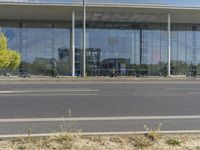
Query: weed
x,y
66,140
29,135
70,125
149,138
174,141
97,139
153,134
117,140
22,147
142,142
17,140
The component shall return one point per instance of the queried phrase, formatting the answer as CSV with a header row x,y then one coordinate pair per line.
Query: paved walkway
x,y
46,78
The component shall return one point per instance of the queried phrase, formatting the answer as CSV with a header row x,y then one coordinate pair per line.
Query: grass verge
x,y
69,141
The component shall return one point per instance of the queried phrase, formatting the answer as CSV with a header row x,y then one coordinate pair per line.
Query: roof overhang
x,y
99,12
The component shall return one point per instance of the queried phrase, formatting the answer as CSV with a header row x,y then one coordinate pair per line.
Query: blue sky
x,y
195,3
182,2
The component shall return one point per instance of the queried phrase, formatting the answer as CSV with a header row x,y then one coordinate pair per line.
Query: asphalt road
x,y
46,107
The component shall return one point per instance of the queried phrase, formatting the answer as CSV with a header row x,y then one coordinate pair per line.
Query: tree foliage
x,y
3,42
9,59
15,59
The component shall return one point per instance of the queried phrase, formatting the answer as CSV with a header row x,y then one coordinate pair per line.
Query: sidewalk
x,y
78,79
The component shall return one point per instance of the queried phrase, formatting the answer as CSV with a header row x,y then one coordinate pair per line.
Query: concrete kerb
x,y
74,79
42,135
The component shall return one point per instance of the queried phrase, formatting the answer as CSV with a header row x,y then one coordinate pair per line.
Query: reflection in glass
x,y
112,49
44,49
140,51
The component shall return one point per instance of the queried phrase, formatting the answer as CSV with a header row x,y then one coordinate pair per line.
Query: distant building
x,y
127,38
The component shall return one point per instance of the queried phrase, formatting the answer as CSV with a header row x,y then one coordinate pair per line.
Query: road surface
x,y
46,107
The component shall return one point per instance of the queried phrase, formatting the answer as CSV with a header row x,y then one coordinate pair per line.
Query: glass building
x,y
123,38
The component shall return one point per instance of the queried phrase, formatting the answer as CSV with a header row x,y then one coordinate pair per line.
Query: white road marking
x,y
98,119
40,91
48,94
100,133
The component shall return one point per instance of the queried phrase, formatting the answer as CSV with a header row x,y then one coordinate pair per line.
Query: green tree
x,y
4,58
3,42
9,59
15,59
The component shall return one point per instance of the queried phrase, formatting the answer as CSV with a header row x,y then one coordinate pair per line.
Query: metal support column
x,y
141,49
21,43
84,39
169,44
73,44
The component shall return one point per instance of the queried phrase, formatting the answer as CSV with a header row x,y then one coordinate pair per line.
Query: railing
x,y
111,72
139,72
117,72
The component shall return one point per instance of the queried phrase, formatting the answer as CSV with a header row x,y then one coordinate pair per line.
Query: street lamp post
x,y
169,44
84,39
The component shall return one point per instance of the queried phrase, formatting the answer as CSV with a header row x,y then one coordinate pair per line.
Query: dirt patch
x,y
129,142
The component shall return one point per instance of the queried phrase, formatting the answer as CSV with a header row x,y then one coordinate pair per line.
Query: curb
x,y
91,79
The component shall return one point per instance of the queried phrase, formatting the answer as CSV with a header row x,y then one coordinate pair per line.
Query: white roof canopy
x,y
105,13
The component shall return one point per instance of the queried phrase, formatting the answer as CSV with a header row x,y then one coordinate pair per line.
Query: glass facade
x,y
134,50
131,49
45,47
186,49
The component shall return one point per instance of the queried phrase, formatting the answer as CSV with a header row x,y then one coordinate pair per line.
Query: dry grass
x,y
75,142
